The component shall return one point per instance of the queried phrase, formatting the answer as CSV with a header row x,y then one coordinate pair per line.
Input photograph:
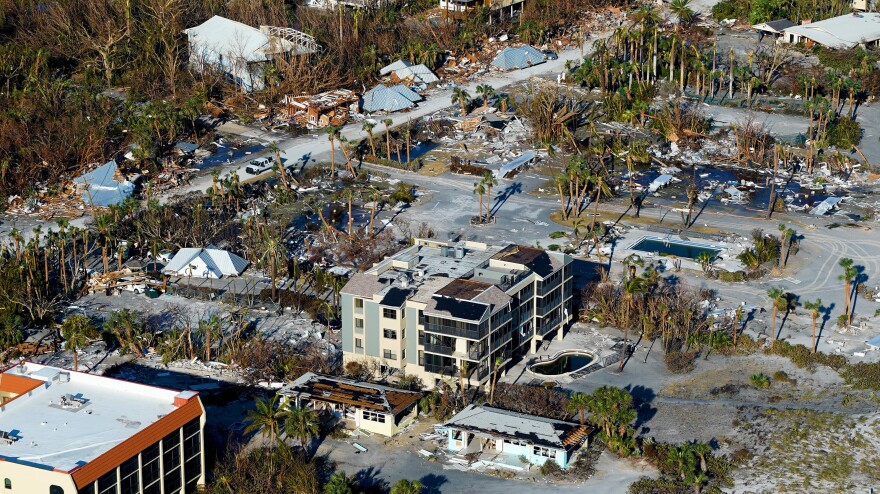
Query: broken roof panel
x,y
825,206
776,26
515,163
418,74
343,391
389,98
101,187
518,58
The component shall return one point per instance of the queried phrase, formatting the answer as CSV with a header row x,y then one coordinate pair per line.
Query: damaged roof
x,y
235,40
518,58
845,31
389,98
538,260
539,431
349,392
101,187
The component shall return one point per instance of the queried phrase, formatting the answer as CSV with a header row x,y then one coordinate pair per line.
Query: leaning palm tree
x,y
462,98
77,331
775,295
282,173
814,308
300,424
631,288
266,418
578,403
404,486
498,362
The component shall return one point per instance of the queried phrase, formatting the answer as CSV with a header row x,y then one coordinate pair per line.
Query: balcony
x,y
546,327
439,349
547,306
477,333
446,370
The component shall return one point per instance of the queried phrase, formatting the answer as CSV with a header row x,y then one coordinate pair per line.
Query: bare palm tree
x,y
814,308
77,331
775,295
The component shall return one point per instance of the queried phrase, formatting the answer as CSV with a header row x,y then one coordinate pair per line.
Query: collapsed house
x,y
518,58
362,405
389,99
773,28
104,186
402,72
482,428
242,52
320,110
205,263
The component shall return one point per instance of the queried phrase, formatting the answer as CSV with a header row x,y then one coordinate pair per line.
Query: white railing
x,y
303,41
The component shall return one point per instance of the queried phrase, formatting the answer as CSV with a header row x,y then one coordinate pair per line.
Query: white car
x,y
131,286
164,256
259,166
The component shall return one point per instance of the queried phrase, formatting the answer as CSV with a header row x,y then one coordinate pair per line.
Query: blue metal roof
x,y
389,98
101,188
518,58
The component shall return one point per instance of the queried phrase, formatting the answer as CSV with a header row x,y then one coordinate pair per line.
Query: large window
x,y
150,469
107,483
358,325
129,480
390,334
7,483
389,313
359,343
54,489
388,354
545,452
171,462
192,453
374,416
358,303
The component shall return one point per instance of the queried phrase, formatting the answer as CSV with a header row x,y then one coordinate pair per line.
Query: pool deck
x,y
581,337
726,260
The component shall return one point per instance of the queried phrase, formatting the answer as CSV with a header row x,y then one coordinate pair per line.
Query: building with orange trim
x,y
66,432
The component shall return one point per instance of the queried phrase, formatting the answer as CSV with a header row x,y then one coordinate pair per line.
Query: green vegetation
x,y
804,358
684,468
844,132
759,381
862,375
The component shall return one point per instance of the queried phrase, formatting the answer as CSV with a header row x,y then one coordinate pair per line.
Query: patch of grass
x,y
759,381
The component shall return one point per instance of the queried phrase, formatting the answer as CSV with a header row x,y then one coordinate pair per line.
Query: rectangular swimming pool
x,y
677,248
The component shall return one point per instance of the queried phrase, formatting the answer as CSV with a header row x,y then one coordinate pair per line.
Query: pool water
x,y
563,364
677,248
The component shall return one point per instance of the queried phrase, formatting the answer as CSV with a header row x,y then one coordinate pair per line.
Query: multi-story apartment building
x,y
66,432
448,309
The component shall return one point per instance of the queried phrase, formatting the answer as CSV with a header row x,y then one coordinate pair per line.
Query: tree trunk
x,y
813,347
773,327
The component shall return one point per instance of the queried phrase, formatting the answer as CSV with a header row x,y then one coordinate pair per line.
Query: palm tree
x,y
774,294
339,483
404,486
786,235
578,403
611,410
300,423
682,10
104,223
848,275
486,91
126,326
480,189
630,262
368,128
266,418
631,287
705,259
489,180
273,249
461,97
77,331
503,102
388,123
497,366
332,133
814,308
601,188
63,225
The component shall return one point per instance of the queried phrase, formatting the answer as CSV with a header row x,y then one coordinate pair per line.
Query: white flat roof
x,y
52,435
845,31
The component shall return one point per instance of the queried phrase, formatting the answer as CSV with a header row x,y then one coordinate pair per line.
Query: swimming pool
x,y
677,248
563,363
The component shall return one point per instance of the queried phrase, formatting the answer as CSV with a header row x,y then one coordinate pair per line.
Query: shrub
x,y
403,193
730,9
680,362
844,133
801,356
862,375
732,277
550,469
760,381
556,235
782,376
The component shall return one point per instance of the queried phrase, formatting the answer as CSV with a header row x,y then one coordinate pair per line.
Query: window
x,y
389,355
130,483
389,313
7,483
54,489
374,416
390,334
107,483
358,325
358,303
359,343
403,354
545,452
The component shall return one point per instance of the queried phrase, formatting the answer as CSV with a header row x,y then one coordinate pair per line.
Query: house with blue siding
x,y
498,431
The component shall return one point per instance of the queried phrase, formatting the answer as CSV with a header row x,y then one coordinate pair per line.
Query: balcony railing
x,y
440,349
474,334
446,370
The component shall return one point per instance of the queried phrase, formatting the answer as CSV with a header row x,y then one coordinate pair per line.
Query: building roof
x,y
845,31
776,26
418,74
515,163
349,392
540,431
389,98
825,206
394,66
86,424
101,187
236,40
217,263
456,308
395,297
518,58
463,289
363,285
538,260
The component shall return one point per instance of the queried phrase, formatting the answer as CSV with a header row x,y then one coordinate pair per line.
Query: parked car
x,y
258,166
550,55
136,288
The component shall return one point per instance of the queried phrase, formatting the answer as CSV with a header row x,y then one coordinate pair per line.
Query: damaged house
x,y
320,110
104,186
